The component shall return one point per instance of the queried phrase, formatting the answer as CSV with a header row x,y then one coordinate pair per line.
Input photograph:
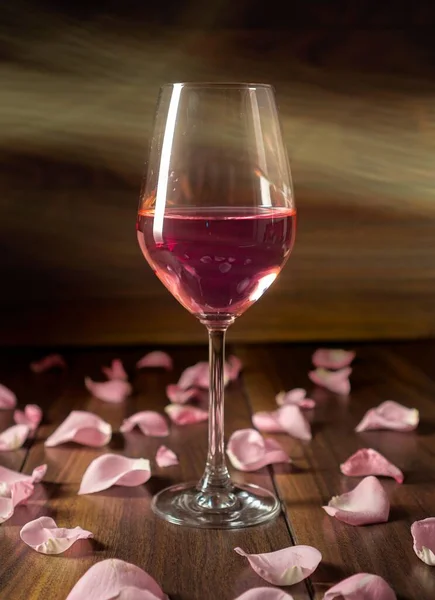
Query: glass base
x,y
183,504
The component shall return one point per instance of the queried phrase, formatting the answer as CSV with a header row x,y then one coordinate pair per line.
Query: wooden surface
x,y
355,88
194,565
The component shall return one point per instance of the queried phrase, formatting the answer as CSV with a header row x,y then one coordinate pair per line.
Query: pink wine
x,y
217,260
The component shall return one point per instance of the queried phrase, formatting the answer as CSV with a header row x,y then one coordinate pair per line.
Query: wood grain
x,y
356,101
379,374
189,564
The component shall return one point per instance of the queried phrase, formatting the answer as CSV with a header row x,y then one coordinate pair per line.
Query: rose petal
x,y
390,415
44,536
195,376
12,494
263,593
155,359
149,422
114,390
14,437
362,586
179,396
7,398
107,579
288,419
284,567
9,477
298,397
328,358
116,370
38,473
249,451
165,457
114,469
367,503
185,415
134,593
423,534
233,367
367,461
31,416
334,381
81,427
48,362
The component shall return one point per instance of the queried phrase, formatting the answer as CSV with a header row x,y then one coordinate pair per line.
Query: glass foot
x,y
183,504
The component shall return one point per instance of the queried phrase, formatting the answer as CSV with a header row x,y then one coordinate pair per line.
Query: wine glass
x,y
216,223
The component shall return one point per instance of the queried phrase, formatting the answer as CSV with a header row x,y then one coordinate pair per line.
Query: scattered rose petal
x,y
44,536
155,359
248,450
263,593
179,396
298,397
195,376
7,397
334,381
148,421
48,362
365,504
233,367
185,415
390,415
369,462
423,534
327,358
31,416
116,370
16,488
165,457
284,567
110,578
81,427
362,586
114,469
114,390
14,437
287,419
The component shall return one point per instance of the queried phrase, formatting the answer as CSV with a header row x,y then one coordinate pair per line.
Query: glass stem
x,y
216,489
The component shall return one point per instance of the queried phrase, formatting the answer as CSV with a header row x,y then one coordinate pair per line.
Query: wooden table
x,y
201,565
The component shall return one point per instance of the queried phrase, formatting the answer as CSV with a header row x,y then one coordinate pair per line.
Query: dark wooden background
x,y
356,87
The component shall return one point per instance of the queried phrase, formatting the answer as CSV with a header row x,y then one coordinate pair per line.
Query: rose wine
x,y
217,260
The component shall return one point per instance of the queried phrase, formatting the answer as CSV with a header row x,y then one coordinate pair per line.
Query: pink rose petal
x,y
179,396
116,370
423,534
114,390
390,415
233,367
365,504
44,536
48,362
16,488
284,567
149,422
363,586
165,457
288,419
195,376
369,462
155,359
263,593
249,451
7,398
108,579
114,469
81,427
298,397
334,381
185,415
14,437
31,416
327,358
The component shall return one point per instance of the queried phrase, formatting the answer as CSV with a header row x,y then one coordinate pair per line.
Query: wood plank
x,y
384,549
189,564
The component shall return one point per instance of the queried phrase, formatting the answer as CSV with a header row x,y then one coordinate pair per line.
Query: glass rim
x,y
221,84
